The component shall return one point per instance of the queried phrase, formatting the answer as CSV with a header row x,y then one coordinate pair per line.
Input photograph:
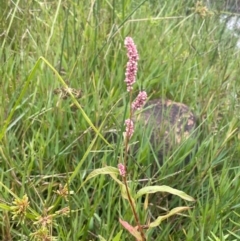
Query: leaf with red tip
x,y
132,230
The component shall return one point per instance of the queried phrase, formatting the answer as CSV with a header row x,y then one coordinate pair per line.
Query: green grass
x,y
45,143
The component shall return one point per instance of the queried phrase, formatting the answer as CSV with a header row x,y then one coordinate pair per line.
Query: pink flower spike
x,y
122,169
131,70
129,128
139,101
131,49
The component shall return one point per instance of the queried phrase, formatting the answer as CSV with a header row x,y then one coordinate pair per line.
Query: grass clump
x,y
48,148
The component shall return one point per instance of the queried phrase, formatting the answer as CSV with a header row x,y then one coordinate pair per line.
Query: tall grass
x,y
183,56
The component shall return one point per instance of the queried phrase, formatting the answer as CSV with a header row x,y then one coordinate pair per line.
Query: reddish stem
x,y
125,179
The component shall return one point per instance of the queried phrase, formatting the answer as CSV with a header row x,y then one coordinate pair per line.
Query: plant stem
x,y
133,209
125,177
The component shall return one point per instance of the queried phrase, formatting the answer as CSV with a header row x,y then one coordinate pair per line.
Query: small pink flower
x,y
139,101
131,70
122,169
129,128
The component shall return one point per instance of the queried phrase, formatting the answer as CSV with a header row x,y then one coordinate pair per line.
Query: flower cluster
x,y
131,70
19,208
129,128
130,79
139,101
122,169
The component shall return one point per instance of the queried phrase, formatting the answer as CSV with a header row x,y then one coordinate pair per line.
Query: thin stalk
x,y
125,177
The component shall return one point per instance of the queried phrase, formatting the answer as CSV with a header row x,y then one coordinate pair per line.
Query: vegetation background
x,y
186,54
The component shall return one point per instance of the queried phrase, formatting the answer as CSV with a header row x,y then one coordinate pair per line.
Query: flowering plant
x,y
138,230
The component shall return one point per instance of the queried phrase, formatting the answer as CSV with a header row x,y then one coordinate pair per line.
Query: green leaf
x,y
114,177
60,79
102,171
174,211
112,171
8,190
154,189
5,207
118,236
234,234
101,238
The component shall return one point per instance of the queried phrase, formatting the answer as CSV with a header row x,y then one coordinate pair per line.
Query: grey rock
x,y
170,123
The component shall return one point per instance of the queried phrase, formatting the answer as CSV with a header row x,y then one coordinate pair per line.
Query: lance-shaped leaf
x,y
118,236
113,172
154,189
101,171
174,211
101,238
132,230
